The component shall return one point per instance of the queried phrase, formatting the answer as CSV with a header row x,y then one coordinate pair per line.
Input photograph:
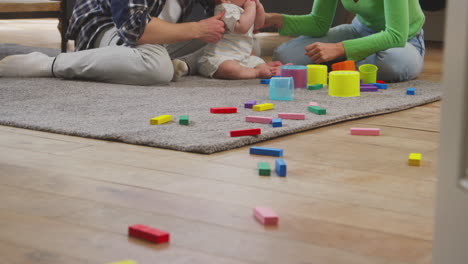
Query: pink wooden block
x,y
259,119
265,215
313,104
365,131
296,116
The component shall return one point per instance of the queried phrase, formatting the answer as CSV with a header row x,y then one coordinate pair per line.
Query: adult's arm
x,y
315,24
394,35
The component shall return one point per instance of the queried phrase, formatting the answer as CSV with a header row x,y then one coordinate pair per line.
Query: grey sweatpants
x,y
147,64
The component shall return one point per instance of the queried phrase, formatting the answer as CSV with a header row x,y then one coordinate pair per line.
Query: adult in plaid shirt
x,y
142,42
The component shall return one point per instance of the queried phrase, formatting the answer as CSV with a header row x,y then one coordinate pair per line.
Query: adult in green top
x,y
387,33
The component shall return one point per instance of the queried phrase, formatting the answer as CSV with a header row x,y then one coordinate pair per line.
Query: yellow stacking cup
x,y
344,84
316,74
368,73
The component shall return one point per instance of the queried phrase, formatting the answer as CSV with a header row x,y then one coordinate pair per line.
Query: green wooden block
x,y
264,169
183,120
315,86
317,110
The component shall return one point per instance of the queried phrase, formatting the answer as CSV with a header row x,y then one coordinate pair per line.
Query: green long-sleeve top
x,y
395,21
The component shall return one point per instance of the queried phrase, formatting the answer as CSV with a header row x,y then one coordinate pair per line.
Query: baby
x,y
231,57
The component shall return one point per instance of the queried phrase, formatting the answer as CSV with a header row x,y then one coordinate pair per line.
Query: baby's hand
x,y
250,4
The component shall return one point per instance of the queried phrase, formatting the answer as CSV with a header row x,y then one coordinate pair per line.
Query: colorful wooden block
x,y
277,122
380,82
148,233
250,104
411,91
223,110
380,85
264,169
317,86
246,132
295,116
124,262
263,107
317,110
313,104
266,151
184,120
265,215
259,119
368,88
414,159
280,167
160,119
358,131
265,81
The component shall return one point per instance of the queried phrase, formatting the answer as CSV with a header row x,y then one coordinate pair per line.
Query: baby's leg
x,y
231,69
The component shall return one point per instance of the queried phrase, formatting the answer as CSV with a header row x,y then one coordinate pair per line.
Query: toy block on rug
x,y
317,110
277,122
184,120
246,132
358,131
160,119
128,261
265,215
250,104
264,169
294,116
259,119
263,107
411,91
414,159
148,233
223,110
280,167
266,151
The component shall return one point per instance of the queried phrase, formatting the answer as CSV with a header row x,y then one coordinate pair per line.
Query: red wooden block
x,y
381,82
265,215
148,233
246,132
223,110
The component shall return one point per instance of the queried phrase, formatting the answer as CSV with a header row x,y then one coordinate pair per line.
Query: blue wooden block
x,y
411,91
266,151
265,81
280,167
277,122
380,85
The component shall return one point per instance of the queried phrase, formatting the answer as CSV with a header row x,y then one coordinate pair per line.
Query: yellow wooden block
x,y
263,107
160,119
124,262
414,159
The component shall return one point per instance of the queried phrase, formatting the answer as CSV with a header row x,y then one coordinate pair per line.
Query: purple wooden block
x,y
369,89
250,104
367,85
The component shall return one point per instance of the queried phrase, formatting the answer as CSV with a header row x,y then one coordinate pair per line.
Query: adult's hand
x,y
211,29
320,52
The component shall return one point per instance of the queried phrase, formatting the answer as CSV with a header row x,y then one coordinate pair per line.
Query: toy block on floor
x,y
160,119
265,215
414,159
313,104
378,81
317,86
246,132
266,151
223,110
263,107
280,167
358,131
295,116
124,262
250,104
264,169
184,120
411,91
265,81
277,122
148,233
380,85
259,119
368,88
317,110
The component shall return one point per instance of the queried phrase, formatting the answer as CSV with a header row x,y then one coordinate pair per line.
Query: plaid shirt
x,y
130,17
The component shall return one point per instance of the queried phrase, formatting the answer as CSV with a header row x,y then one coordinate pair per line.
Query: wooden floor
x,y
346,200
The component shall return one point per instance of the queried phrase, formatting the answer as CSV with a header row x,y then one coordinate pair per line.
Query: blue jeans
x,y
395,64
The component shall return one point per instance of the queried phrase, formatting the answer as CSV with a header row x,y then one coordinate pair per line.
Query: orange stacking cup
x,y
348,65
